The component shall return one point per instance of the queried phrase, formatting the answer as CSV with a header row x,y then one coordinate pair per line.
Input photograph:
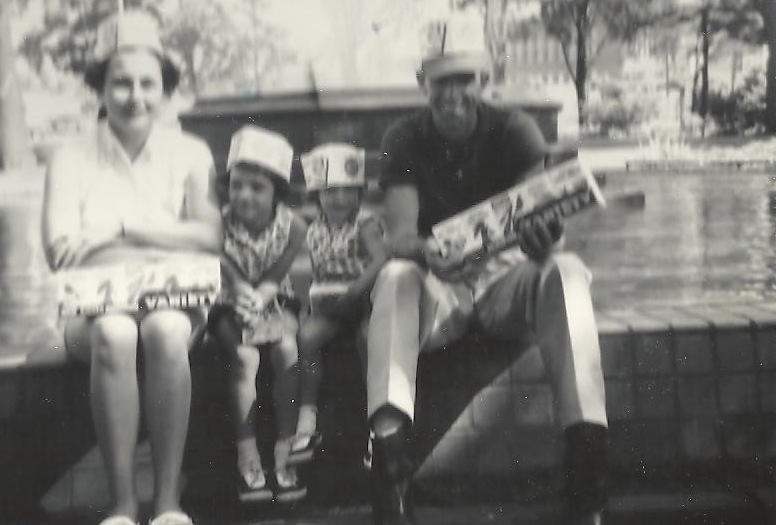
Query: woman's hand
x,y
67,252
70,251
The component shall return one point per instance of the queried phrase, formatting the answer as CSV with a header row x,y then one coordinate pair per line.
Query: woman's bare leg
x,y
112,340
165,335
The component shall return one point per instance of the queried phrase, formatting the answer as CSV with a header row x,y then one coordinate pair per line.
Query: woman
x,y
135,190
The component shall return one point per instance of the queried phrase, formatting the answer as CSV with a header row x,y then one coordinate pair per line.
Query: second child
x,y
346,252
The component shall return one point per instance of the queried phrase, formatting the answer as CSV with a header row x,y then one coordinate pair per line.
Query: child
x,y
346,249
258,311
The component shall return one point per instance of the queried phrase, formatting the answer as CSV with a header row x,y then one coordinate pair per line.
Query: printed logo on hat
x,y
352,166
333,165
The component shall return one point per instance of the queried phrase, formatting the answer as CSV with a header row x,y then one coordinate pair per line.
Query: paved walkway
x,y
698,508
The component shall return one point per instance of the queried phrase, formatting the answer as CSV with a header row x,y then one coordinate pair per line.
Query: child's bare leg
x,y
314,334
285,388
244,363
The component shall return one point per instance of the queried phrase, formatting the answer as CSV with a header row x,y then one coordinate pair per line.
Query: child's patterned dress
x,y
337,253
253,256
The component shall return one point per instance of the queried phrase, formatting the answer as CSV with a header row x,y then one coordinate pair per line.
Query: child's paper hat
x,y
261,147
452,45
334,165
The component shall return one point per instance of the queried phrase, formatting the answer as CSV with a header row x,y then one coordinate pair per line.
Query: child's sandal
x,y
288,487
253,485
304,448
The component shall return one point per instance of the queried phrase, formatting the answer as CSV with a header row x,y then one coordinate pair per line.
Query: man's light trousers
x,y
512,298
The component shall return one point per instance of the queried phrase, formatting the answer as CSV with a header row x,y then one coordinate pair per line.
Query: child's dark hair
x,y
281,193
96,74
314,196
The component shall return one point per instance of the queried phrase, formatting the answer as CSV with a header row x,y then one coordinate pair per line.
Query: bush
x,y
741,112
617,114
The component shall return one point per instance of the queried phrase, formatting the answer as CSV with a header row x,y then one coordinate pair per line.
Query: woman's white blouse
x,y
100,184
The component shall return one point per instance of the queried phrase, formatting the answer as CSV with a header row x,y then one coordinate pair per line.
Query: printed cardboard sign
x,y
495,224
179,283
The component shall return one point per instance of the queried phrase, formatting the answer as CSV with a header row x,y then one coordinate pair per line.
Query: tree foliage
x,y
498,28
68,32
220,45
750,21
738,19
583,27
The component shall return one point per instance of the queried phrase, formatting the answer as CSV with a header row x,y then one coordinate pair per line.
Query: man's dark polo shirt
x,y
451,177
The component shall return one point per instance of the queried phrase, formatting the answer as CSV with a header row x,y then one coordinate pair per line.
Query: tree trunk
x,y
494,35
580,80
703,106
695,75
768,11
191,71
14,142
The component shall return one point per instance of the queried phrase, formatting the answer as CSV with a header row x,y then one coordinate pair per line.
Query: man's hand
x,y
537,242
446,268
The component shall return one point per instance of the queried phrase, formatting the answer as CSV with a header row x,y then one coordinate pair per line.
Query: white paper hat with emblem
x,y
454,44
334,165
133,28
261,147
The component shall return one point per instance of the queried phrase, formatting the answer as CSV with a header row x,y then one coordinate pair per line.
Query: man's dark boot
x,y
585,464
390,477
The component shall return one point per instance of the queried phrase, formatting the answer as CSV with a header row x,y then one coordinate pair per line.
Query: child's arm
x,y
270,281
244,294
371,236
230,270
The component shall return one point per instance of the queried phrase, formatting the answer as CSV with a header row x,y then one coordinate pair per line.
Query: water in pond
x,y
699,238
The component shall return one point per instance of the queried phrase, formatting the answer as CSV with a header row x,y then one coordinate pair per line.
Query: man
x,y
456,152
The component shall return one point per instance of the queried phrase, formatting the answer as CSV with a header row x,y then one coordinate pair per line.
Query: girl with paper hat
x,y
133,191
258,312
346,251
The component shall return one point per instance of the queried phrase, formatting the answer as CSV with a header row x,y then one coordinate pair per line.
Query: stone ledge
x,y
700,165
686,386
